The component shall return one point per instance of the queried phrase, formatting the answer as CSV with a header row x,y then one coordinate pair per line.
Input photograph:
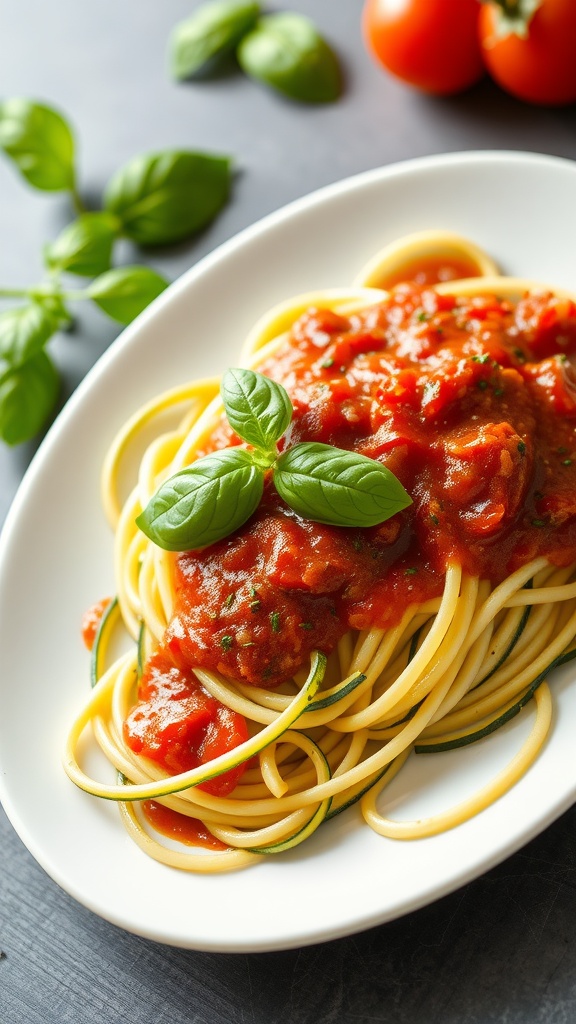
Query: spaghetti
x,y
288,672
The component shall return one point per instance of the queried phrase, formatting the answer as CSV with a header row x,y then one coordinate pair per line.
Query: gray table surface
x,y
503,949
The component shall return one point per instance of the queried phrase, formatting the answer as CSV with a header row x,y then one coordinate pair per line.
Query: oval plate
x,y
56,560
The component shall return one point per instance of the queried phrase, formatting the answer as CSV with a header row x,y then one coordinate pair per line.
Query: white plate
x,y
55,560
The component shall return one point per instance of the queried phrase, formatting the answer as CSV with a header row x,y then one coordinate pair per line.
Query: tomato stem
x,y
514,16
511,8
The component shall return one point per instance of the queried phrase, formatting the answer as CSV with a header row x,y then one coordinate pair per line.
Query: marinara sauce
x,y
471,402
91,621
431,269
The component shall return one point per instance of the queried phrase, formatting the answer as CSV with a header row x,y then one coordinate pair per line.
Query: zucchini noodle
x,y
450,672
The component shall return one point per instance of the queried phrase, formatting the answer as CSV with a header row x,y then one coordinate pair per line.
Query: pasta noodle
x,y
450,669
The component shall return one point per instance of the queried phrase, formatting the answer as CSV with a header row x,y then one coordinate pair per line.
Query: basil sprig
x,y
218,493
284,51
154,199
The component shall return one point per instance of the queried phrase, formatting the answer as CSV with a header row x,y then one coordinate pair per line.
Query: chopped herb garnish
x,y
357,544
482,384
521,447
520,355
561,450
252,591
327,363
422,316
275,622
481,359
566,462
498,392
306,625
411,571
538,522
229,600
226,643
249,643
254,605
434,519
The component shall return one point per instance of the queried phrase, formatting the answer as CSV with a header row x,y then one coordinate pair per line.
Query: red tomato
x,y
541,66
432,44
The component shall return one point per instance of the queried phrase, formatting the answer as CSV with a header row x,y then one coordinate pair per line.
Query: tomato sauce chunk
x,y
91,621
471,402
436,268
178,724
180,827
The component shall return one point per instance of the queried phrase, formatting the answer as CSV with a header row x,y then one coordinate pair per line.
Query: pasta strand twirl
x,y
449,638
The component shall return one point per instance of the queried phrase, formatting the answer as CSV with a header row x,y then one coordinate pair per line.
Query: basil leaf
x,y
337,487
24,330
40,143
124,292
214,29
205,502
27,397
84,247
258,409
286,52
164,197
